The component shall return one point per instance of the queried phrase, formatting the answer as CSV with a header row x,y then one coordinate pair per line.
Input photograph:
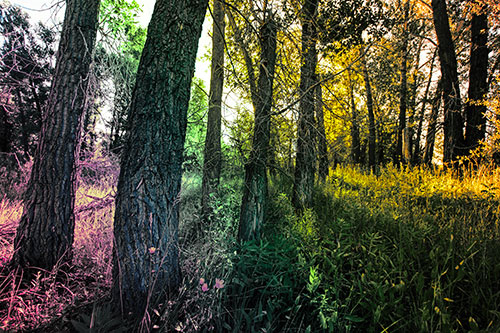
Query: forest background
x,y
339,166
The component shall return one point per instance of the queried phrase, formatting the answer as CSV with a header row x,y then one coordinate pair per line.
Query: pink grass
x,y
50,295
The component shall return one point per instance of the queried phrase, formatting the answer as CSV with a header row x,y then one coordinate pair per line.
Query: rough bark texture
x,y
323,166
431,129
403,90
212,153
475,129
45,232
305,161
146,255
453,121
253,204
372,163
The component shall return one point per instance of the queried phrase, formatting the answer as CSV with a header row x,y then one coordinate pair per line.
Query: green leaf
x,y
354,318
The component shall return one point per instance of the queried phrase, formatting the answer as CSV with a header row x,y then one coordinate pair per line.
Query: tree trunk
x,y
146,257
355,140
212,153
253,204
306,156
323,166
46,229
416,158
5,131
24,123
247,58
403,90
431,129
372,163
412,108
478,84
453,121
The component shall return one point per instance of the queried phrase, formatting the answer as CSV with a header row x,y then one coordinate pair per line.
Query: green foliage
x,y
117,59
196,126
345,21
262,291
241,133
118,18
410,250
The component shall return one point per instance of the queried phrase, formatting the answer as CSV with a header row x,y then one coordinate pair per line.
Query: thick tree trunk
x,y
403,90
146,257
305,161
212,153
431,129
323,165
45,233
372,163
475,109
453,121
253,205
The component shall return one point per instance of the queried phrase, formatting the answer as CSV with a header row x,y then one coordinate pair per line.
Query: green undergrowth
x,y
406,251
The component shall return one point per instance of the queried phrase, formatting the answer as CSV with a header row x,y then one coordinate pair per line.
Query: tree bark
x,y
253,205
372,163
306,154
46,229
403,90
23,122
212,153
5,130
431,129
412,108
146,257
355,140
323,166
417,158
453,121
475,109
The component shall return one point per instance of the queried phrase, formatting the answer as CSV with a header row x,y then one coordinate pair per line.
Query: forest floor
x,y
404,251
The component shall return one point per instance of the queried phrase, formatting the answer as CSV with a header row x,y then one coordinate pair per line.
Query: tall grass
x,y
408,250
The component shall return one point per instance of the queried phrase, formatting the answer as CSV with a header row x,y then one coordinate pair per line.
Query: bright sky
x,y
43,10
50,12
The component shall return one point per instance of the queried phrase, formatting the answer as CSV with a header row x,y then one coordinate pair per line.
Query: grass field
x,y
405,251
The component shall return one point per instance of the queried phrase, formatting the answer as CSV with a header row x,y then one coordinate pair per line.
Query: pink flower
x,y
204,287
202,280
152,250
219,284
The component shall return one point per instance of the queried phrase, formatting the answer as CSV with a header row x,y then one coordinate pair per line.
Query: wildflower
x,y
202,280
204,287
219,284
152,250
